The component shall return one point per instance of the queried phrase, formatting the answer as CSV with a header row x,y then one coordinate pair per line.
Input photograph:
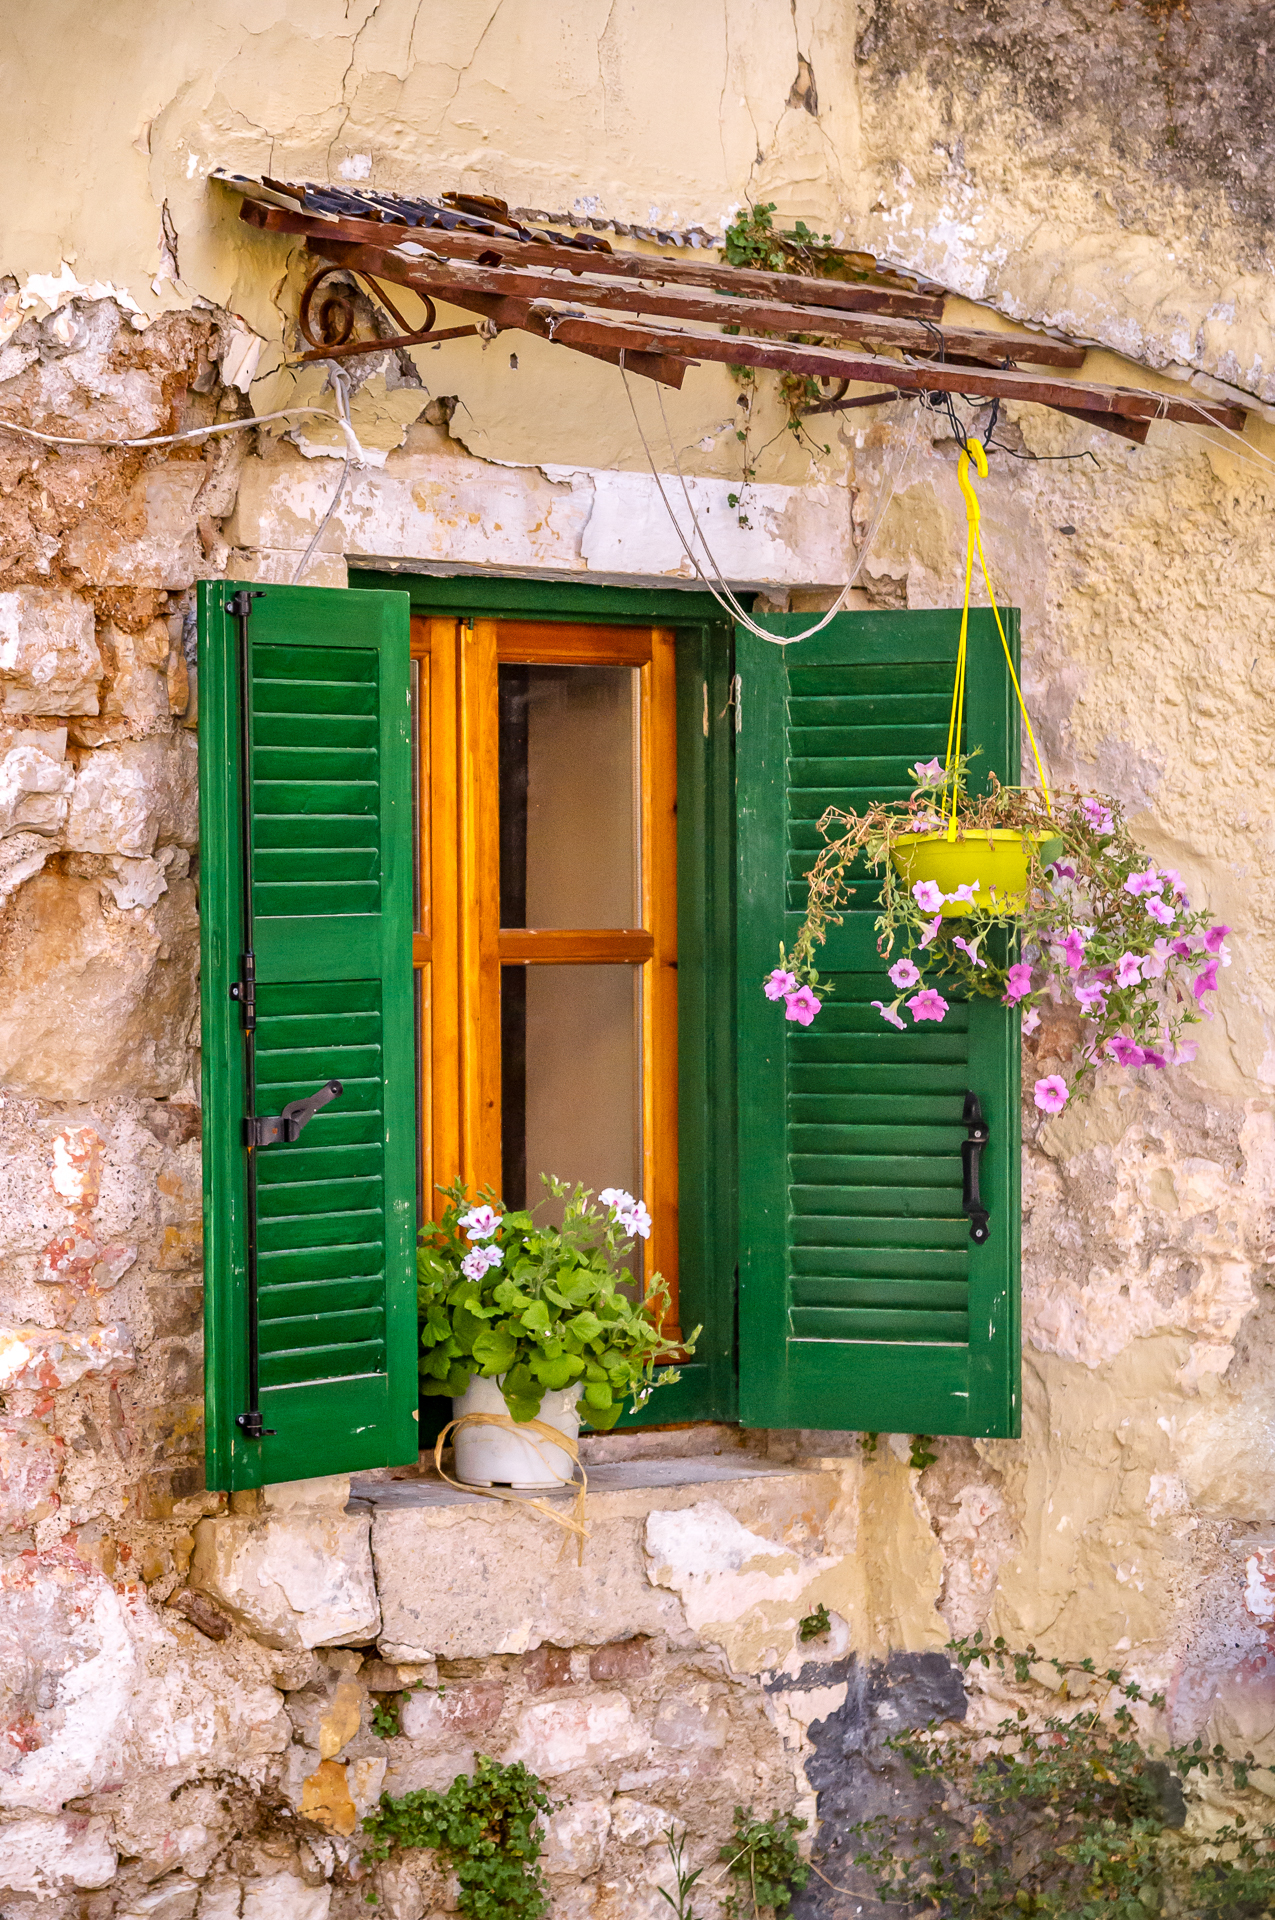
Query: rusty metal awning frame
x,y
625,308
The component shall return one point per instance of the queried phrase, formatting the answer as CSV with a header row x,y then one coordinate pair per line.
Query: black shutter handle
x,y
976,1138
265,1129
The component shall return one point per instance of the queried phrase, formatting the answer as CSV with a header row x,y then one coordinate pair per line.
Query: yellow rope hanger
x,y
975,544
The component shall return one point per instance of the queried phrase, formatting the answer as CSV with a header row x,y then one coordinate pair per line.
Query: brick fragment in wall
x,y
546,1667
388,1676
621,1660
200,1611
49,657
465,1707
95,1001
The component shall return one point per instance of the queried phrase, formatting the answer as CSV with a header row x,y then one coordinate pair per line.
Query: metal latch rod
x,y
976,1138
268,1129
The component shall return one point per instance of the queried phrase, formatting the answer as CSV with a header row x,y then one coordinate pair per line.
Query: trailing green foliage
x,y
487,1828
763,1863
815,1625
540,1307
1063,1813
753,240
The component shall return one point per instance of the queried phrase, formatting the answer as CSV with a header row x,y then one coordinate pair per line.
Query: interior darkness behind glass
x,y
513,684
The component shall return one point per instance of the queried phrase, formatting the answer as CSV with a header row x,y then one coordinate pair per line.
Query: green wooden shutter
x,y
864,1304
331,868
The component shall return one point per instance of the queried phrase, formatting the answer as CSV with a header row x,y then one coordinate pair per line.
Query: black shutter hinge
x,y
239,605
976,1138
268,1129
252,1427
244,990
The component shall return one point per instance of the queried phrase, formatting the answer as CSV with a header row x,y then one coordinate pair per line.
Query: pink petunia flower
x,y
1205,980
1092,997
780,983
889,1013
927,896
1162,910
927,1005
1050,1094
970,949
1214,937
480,1223
925,822
1018,982
1124,1051
1183,949
928,773
1063,871
1031,1020
1150,1058
1073,950
1185,1051
905,973
1148,881
965,893
1155,962
1128,970
801,1006
931,930
1098,816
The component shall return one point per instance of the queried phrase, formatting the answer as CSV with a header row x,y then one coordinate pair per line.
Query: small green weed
x,y
816,1624
385,1712
486,1828
763,1862
685,1877
919,1455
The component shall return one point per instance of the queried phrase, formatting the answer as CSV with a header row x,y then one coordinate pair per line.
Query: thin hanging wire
x,y
721,592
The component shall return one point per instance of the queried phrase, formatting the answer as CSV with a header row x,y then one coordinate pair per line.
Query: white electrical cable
x,y
726,598
354,454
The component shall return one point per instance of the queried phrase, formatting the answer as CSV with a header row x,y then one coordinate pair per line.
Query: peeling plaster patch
x,y
1259,1586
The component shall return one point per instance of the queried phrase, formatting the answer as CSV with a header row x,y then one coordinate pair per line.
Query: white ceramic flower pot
x,y
507,1457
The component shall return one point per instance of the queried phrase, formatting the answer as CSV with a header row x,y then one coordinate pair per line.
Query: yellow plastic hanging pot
x,y
995,862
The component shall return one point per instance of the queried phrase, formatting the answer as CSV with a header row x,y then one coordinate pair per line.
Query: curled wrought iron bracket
x,y
976,1138
327,320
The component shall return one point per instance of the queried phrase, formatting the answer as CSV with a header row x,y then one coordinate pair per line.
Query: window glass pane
x,y
571,1073
569,809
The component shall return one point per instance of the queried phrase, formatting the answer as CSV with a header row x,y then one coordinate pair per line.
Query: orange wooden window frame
x,y
460,947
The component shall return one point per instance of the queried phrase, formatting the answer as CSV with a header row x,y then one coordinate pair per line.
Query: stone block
x,y
136,701
621,1660
636,1823
561,1735
467,1707
294,1577
35,783
176,1899
576,1837
99,1690
684,1724
31,1462
49,658
546,1667
45,1856
45,1359
281,1896
389,1676
136,795
93,1002
151,541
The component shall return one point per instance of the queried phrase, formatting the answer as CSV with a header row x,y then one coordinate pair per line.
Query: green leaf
x,y
536,1317
597,1396
554,1374
585,1326
494,1351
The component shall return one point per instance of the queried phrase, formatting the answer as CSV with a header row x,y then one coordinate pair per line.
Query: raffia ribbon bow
x,y
573,1520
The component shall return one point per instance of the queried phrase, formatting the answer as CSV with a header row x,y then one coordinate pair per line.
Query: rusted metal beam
x,y
848,296
749,314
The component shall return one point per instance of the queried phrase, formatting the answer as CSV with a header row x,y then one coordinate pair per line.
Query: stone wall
x,y
189,1684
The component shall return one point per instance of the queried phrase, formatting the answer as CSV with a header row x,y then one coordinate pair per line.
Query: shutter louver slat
x,y
863,1301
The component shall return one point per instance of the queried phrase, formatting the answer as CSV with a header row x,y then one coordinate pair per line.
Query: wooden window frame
x,y
458,950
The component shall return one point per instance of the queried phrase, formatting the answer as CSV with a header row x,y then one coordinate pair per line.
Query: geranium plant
x,y
539,1306
1099,924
